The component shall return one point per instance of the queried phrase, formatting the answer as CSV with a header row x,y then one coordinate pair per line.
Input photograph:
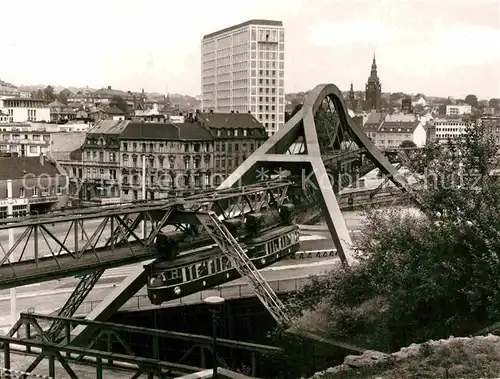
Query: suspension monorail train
x,y
198,270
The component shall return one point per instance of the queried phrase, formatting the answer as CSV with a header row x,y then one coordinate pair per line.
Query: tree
x,y
63,97
472,100
121,104
48,93
407,143
494,103
420,277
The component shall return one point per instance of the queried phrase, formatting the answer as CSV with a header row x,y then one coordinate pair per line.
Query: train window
x,y
269,248
276,245
174,274
203,269
193,272
288,240
226,264
219,266
212,267
187,274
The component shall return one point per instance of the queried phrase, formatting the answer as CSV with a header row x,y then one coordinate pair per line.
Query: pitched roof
x,y
229,120
109,92
410,126
18,167
109,127
396,117
57,104
163,131
113,110
66,142
375,118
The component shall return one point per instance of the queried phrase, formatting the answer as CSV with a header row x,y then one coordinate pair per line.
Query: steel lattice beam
x,y
48,248
135,359
233,251
302,127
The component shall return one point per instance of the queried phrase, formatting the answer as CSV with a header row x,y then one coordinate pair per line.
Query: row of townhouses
x,y
390,130
118,158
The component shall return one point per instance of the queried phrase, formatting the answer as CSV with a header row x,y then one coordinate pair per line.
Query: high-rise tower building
x,y
243,70
373,89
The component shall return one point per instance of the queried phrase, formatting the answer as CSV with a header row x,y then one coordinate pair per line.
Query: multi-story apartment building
x,y
390,130
173,157
31,185
243,69
457,110
199,154
100,161
24,143
442,129
236,136
21,110
392,133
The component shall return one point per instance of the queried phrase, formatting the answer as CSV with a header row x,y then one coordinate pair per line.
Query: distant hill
x,y
6,84
184,101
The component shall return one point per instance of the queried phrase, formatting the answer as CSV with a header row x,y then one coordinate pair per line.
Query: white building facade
x,y
21,110
456,110
449,128
243,70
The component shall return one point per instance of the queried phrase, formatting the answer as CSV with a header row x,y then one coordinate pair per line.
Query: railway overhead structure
x,y
318,152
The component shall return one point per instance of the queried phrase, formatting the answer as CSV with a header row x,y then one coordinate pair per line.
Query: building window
x,y
19,210
35,191
21,192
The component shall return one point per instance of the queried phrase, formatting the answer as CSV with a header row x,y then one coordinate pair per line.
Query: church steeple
x,y
351,100
373,93
373,73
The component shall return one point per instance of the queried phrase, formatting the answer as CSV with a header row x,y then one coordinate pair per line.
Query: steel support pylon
x,y
302,126
233,251
84,287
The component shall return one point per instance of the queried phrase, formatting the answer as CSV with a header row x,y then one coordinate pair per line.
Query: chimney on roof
x,y
42,161
109,87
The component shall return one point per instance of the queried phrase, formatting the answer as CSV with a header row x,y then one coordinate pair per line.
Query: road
x,y
49,296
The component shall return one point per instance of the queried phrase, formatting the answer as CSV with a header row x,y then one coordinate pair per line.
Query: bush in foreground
x,y
420,277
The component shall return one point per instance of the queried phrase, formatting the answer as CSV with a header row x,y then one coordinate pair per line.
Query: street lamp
x,y
214,303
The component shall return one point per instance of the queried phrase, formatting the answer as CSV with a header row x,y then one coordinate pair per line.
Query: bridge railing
x,y
228,292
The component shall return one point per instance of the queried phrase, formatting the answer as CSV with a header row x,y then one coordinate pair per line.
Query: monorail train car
x,y
168,280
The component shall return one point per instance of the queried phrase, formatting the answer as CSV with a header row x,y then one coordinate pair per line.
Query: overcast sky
x,y
437,47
